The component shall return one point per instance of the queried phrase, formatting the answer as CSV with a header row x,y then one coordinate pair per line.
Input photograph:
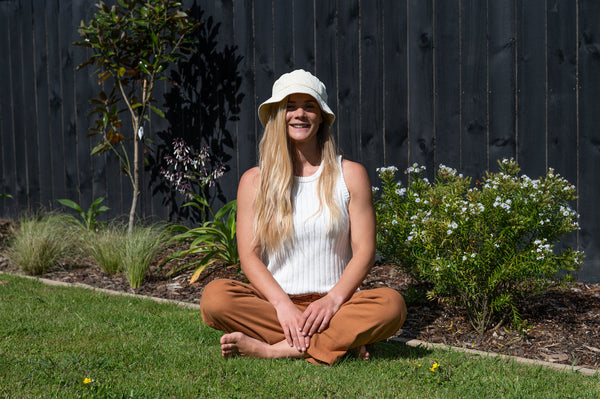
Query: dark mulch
x,y
564,323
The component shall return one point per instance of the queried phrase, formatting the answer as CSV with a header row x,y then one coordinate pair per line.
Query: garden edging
x,y
410,342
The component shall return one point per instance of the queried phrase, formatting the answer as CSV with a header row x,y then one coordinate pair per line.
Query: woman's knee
x,y
215,297
394,305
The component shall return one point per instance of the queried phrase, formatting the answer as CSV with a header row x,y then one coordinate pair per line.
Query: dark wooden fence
x,y
458,82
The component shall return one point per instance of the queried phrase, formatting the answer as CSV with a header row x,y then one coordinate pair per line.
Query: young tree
x,y
133,43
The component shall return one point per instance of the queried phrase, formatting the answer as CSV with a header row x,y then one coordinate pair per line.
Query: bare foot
x,y
362,353
239,344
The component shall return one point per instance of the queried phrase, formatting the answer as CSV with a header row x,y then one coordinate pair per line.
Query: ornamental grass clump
x,y
104,246
139,247
41,242
478,247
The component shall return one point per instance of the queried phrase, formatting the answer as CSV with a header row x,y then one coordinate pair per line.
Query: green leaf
x,y
71,204
157,111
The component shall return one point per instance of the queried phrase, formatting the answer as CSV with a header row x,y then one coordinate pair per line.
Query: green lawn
x,y
52,338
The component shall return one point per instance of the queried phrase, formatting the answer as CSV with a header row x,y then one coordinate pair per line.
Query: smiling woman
x,y
303,118
306,240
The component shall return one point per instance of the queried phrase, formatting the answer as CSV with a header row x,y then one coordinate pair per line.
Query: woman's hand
x,y
290,319
317,315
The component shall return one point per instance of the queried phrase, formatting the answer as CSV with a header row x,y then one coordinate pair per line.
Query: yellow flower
x,y
434,367
87,380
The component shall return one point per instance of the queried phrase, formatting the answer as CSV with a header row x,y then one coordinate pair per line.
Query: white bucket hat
x,y
298,81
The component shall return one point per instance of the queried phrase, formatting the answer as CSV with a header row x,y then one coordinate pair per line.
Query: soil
x,y
563,324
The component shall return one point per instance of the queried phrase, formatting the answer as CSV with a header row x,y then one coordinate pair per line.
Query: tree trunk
x,y
136,180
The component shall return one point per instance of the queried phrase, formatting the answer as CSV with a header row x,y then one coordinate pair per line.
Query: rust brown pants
x,y
367,317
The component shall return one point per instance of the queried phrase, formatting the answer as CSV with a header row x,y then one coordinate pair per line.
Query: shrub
x,y
481,247
40,242
138,249
215,240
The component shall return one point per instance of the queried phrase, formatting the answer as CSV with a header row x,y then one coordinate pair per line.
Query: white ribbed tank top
x,y
315,260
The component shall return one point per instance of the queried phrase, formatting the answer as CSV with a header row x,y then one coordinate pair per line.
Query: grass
x,y
138,248
52,338
40,242
105,246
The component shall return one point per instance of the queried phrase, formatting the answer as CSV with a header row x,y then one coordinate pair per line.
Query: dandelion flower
x,y
434,367
87,380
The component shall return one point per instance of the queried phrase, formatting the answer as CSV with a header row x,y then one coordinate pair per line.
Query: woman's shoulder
x,y
249,180
355,175
352,169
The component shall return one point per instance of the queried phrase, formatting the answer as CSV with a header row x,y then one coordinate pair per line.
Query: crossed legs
x,y
253,329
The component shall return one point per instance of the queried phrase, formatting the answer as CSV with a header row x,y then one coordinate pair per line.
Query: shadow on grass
x,y
390,350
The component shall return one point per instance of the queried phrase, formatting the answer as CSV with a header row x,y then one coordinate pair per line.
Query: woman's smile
x,y
303,117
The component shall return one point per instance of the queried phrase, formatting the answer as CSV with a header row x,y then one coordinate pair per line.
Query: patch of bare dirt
x,y
564,323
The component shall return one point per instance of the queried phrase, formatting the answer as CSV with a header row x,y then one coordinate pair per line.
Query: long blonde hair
x,y
273,225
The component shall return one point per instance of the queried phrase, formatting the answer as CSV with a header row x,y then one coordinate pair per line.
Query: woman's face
x,y
303,117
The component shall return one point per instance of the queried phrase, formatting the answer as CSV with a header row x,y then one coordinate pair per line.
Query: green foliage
x,y
5,196
138,248
482,247
105,246
215,240
132,43
89,219
41,242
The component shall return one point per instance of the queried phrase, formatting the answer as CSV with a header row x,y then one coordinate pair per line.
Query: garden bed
x,y
564,323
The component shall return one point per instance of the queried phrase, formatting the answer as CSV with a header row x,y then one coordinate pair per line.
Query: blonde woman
x,y
306,239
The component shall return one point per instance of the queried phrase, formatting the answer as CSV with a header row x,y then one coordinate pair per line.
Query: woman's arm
x,y
362,239
255,270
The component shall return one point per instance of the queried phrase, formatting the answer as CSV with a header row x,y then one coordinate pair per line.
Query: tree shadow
x,y
392,349
203,97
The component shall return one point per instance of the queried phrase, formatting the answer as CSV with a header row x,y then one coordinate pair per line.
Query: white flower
x,y
449,232
401,191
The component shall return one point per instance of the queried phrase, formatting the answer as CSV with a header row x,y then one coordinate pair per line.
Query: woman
x,y
306,239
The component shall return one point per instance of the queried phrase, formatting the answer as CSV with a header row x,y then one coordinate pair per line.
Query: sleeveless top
x,y
315,259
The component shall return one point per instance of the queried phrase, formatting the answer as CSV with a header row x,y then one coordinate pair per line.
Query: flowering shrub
x,y
479,247
215,239
189,173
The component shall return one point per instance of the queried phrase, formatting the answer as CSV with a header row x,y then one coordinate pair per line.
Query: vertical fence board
x,y
562,101
447,84
502,112
304,35
395,71
371,85
42,105
326,52
19,123
7,153
263,71
562,69
28,74
84,89
283,38
224,14
420,82
474,87
245,128
531,87
589,151
348,122
54,127
68,100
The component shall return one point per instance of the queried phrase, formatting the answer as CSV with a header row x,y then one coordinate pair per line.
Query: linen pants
x,y
367,317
